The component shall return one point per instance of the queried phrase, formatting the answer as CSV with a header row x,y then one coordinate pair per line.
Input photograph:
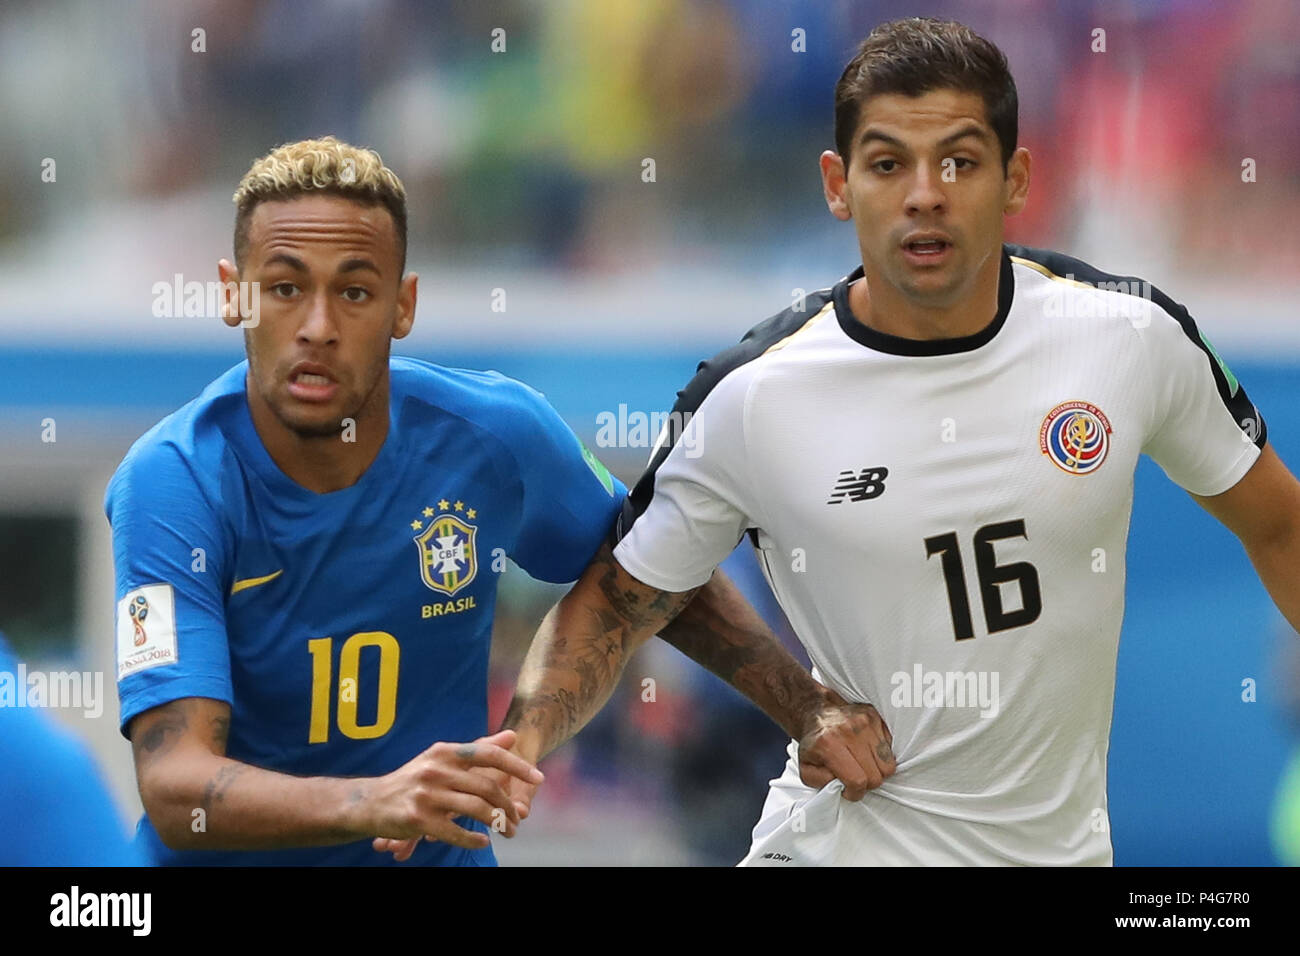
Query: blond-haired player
x,y
307,557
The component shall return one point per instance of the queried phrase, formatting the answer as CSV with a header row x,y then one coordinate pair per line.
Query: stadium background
x,y
524,170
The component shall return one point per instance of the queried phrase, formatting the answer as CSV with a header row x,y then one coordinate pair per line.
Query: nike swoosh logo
x,y
253,582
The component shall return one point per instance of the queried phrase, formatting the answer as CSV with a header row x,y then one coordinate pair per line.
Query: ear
x,y
1017,181
229,292
835,185
406,290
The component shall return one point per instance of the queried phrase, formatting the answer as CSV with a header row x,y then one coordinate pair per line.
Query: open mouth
x,y
927,247
926,250
311,384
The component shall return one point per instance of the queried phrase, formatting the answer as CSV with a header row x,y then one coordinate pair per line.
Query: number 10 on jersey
x,y
322,658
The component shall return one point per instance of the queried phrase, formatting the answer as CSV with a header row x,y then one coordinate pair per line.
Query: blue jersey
x,y
54,807
348,631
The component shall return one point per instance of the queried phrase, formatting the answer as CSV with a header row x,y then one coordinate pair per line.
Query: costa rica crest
x,y
1076,437
448,557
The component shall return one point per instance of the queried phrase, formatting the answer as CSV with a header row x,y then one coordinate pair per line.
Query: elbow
x,y
172,804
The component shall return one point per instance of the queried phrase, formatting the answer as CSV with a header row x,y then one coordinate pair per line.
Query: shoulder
x,y
486,401
1174,347
1095,293
485,398
186,451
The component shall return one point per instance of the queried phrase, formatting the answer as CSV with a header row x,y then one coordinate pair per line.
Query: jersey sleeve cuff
x,y
1235,472
653,578
137,702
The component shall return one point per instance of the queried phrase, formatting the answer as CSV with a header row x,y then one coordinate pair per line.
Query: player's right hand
x,y
422,797
848,742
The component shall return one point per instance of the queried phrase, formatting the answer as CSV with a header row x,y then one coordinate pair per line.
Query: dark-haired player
x,y
929,457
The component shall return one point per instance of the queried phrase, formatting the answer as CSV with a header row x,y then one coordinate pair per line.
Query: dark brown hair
x,y
917,55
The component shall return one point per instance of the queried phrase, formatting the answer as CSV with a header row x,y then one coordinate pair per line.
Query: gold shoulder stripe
x,y
253,582
782,343
1043,270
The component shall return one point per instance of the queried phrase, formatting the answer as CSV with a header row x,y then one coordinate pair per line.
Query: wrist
x,y
356,808
810,707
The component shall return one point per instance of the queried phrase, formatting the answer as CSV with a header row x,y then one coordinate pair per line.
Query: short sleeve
x,y
1207,433
692,507
170,565
570,499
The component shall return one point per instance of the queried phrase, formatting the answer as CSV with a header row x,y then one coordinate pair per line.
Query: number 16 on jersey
x,y
990,575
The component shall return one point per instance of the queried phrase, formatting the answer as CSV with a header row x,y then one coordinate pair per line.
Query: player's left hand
x,y
848,742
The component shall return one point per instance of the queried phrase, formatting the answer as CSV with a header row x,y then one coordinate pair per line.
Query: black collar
x,y
897,345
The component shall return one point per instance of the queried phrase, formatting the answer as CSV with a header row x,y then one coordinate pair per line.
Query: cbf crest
x,y
446,539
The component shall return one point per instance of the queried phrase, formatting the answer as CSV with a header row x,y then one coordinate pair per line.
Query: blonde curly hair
x,y
326,165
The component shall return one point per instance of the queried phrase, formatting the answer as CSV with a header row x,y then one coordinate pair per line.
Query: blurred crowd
x,y
521,128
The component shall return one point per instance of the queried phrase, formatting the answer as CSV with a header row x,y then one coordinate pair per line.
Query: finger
x,y
859,775
814,776
883,730
401,849
889,734
480,753
502,738
456,803
488,787
446,831
869,748
886,759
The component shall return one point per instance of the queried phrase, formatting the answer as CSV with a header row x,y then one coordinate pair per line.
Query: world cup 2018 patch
x,y
146,629
1076,437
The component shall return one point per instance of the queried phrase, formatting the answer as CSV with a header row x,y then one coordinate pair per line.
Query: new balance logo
x,y
859,485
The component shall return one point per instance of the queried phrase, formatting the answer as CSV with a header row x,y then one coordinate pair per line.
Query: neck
x,y
323,464
880,305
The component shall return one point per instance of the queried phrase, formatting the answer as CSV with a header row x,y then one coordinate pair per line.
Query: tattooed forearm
x,y
720,631
581,648
215,790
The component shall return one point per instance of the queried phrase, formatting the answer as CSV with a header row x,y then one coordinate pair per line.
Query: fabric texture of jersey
x,y
348,631
944,523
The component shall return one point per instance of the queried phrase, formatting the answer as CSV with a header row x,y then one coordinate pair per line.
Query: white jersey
x,y
944,523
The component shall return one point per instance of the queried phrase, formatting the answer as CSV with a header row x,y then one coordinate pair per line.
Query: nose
x,y
925,193
318,326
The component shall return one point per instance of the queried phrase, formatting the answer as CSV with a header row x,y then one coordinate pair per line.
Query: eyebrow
x,y
353,265
283,258
348,265
970,129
